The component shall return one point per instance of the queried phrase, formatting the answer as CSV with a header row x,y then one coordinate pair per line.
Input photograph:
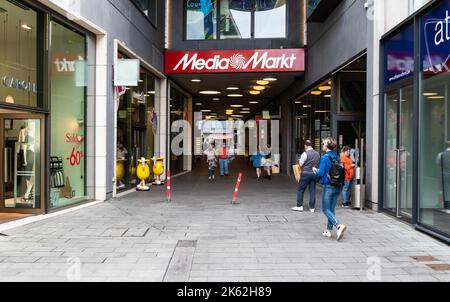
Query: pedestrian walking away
x,y
349,167
309,160
256,160
331,175
267,162
211,158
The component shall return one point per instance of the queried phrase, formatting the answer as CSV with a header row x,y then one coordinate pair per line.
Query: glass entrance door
x,y
21,146
398,169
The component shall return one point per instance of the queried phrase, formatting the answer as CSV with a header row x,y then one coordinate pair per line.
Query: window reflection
x,y
236,19
270,19
201,19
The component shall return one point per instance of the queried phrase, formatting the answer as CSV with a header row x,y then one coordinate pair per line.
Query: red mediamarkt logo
x,y
235,61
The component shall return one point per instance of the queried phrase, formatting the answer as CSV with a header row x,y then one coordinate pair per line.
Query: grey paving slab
x,y
138,238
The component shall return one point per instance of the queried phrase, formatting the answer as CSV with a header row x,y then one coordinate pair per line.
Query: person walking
x,y
224,159
329,165
256,160
267,162
211,159
349,167
309,159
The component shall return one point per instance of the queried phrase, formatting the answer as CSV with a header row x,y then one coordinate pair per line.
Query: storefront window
x,y
434,199
68,116
136,129
201,19
313,117
20,33
270,19
353,89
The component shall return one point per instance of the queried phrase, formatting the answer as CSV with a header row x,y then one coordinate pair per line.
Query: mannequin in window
x,y
443,160
26,153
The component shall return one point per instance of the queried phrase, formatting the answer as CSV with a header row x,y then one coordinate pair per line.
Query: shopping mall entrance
x,y
21,157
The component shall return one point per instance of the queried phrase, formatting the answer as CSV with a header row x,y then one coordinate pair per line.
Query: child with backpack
x,y
332,175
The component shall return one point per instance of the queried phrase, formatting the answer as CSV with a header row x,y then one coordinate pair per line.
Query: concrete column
x,y
161,108
101,79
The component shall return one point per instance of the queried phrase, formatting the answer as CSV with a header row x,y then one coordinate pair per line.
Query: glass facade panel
x,y
353,92
434,159
201,19
148,7
236,19
68,116
270,19
136,128
313,118
19,55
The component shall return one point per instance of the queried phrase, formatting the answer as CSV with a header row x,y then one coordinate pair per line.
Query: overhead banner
x,y
232,61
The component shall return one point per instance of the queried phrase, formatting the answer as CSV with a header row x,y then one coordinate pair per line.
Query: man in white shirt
x,y
310,159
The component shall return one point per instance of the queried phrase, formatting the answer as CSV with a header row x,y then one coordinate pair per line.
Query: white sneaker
x,y
326,234
214,176
312,210
297,209
210,178
340,233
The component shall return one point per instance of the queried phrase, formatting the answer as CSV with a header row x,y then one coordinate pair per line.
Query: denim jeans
x,y
330,198
223,167
210,172
347,192
308,180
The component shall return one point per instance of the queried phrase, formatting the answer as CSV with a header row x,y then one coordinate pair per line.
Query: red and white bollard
x,y
168,195
236,190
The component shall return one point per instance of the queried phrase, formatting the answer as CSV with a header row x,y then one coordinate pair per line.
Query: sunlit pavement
x,y
199,236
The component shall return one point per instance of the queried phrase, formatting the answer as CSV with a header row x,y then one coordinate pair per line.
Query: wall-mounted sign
x,y
435,44
10,82
227,61
127,72
399,56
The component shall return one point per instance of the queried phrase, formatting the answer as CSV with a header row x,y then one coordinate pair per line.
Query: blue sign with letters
x,y
435,39
399,56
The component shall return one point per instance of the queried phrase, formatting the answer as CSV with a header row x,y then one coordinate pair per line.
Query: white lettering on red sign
x,y
257,61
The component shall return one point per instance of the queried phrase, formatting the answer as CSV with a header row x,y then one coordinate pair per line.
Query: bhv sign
x,y
231,61
435,44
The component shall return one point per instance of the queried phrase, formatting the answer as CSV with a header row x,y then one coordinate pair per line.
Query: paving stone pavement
x,y
201,237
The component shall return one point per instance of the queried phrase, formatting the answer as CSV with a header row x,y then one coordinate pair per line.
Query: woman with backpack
x,y
332,176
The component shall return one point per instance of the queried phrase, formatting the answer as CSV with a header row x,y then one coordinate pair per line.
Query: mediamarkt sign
x,y
227,61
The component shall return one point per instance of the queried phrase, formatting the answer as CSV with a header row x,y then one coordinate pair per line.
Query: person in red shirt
x,y
224,158
349,175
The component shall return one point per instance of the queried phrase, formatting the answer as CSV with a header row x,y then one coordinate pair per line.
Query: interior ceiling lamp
x,y
316,92
254,102
198,104
233,88
196,80
262,82
430,94
327,96
254,92
270,79
205,110
216,99
437,97
259,88
237,106
324,88
235,95
210,92
26,26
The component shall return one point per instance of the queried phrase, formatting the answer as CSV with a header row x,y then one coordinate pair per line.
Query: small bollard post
x,y
168,194
236,190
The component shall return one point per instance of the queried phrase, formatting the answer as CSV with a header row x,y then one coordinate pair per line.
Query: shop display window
x,y
68,117
20,54
136,128
434,146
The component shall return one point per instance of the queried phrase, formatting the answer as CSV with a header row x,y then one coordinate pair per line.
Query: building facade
x,y
60,106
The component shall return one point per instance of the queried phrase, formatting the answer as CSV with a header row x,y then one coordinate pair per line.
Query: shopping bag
x,y
297,172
